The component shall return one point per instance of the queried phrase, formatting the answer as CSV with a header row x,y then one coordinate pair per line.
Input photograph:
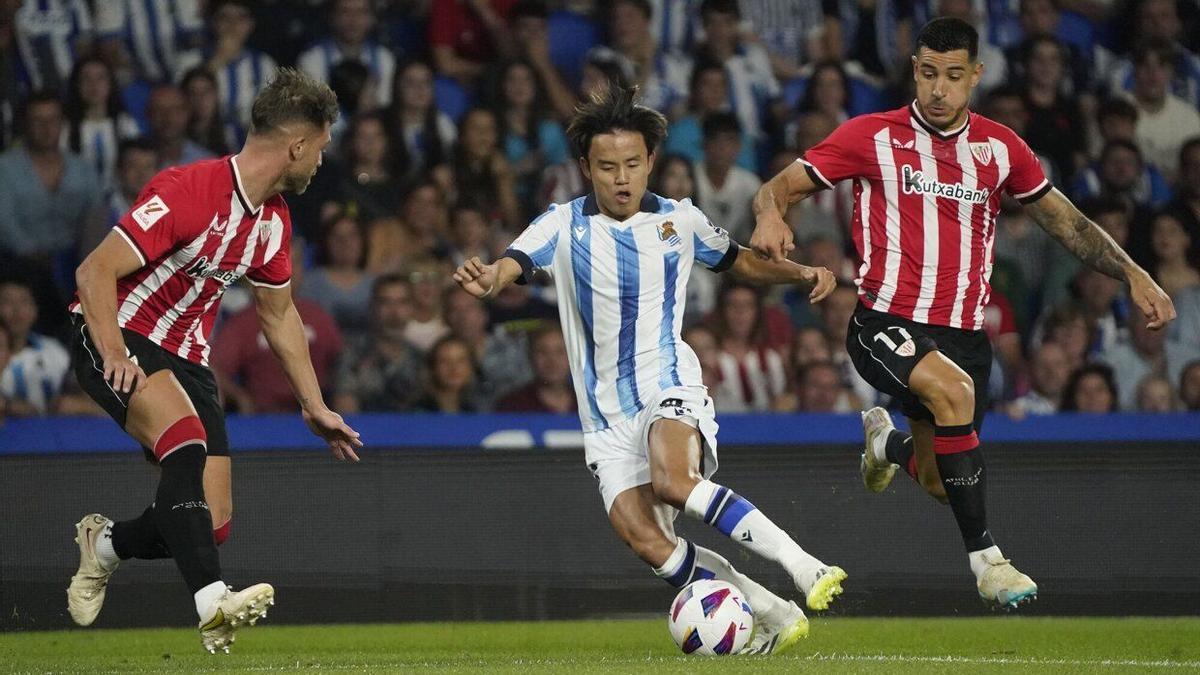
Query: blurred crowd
x,y
451,138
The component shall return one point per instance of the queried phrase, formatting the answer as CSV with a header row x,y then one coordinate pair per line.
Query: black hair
x,y
435,151
660,168
614,109
1103,205
808,103
1070,399
539,108
1119,144
347,80
720,7
324,254
141,144
211,137
703,65
947,34
1117,107
74,107
1147,48
720,123
528,8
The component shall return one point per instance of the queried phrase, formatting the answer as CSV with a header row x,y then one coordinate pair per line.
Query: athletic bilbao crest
x,y
907,348
982,152
666,232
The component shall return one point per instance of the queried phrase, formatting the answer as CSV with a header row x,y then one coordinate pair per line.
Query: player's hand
x,y
1152,300
823,282
772,238
477,278
122,374
340,437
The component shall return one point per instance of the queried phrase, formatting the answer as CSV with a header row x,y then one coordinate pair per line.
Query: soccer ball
x,y
711,617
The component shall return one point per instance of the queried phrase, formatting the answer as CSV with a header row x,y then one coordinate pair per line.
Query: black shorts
x,y
197,381
885,348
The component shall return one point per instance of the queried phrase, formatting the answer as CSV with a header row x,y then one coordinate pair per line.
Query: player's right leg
x,y
645,525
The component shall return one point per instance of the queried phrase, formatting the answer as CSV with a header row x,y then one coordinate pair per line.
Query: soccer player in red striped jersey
x,y
142,320
927,185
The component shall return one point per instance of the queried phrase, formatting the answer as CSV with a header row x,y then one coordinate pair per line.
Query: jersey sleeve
x,y
713,247
841,155
159,220
534,249
276,269
1027,181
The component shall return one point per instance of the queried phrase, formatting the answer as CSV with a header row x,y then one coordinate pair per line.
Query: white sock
x,y
207,599
978,564
689,563
739,520
104,549
879,448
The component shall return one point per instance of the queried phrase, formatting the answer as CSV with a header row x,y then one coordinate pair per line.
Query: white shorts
x,y
619,456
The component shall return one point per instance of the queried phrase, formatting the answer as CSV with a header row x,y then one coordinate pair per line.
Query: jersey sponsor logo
x,y
149,213
202,269
982,152
906,145
916,183
666,232
218,226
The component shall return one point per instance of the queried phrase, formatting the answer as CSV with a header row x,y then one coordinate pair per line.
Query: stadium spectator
x,y
754,93
551,389
723,188
1009,370
1186,205
1159,20
37,364
835,312
356,90
427,132
167,114
826,213
809,345
251,380
1165,121
677,23
530,136
661,76
753,371
1146,352
876,35
828,92
703,341
419,231
428,277
1022,245
674,177
6,352
470,234
1176,252
820,389
1043,19
1105,304
1091,389
449,379
996,71
206,124
340,283
502,356
466,35
47,199
1121,172
529,20
137,162
1067,326
709,93
240,70
1056,126
380,371
96,119
352,23
481,173
1154,395
50,35
791,31
370,182
1048,374
1189,386
146,39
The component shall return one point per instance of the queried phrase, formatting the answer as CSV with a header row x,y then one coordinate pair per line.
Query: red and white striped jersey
x,y
925,205
196,233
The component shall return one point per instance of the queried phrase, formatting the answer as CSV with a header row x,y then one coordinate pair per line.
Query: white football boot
x,y
235,610
85,595
876,474
1002,585
776,637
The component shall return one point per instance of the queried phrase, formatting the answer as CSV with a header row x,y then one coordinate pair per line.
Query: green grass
x,y
1010,644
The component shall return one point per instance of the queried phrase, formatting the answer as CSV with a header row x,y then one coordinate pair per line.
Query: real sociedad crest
x,y
666,232
982,152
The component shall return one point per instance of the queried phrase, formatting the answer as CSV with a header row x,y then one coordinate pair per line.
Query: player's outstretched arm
x,y
772,238
284,331
1092,245
759,271
96,279
482,280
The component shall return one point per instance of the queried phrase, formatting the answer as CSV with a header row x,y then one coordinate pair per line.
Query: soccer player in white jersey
x,y
620,259
927,184
148,296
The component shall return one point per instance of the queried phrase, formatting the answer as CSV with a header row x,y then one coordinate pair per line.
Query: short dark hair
x,y
1147,48
1070,397
642,5
140,144
390,279
1103,205
535,9
1116,107
947,34
720,123
720,7
615,109
292,96
1119,144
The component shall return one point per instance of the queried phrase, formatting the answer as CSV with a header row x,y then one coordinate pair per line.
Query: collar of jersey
x,y
934,131
649,204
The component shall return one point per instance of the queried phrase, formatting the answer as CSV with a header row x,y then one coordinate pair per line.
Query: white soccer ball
x,y
711,617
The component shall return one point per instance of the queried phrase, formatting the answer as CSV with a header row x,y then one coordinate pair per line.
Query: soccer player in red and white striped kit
x,y
928,179
148,296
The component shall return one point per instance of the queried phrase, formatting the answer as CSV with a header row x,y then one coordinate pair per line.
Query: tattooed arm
x,y
1092,245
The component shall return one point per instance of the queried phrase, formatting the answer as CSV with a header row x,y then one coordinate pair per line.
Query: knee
x,y
672,490
951,397
649,544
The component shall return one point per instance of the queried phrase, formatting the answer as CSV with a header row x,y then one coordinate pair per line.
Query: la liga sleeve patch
x,y
150,213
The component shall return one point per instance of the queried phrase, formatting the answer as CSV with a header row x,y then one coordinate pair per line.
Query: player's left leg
x,y
218,492
674,449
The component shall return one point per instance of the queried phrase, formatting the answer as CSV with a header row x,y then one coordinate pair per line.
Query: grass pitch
x,y
1010,644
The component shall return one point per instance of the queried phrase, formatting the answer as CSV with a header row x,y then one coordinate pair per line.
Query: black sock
x,y
139,538
898,447
183,518
960,461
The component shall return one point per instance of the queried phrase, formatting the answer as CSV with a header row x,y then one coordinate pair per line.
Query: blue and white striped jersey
x,y
238,84
155,32
621,289
47,33
319,60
